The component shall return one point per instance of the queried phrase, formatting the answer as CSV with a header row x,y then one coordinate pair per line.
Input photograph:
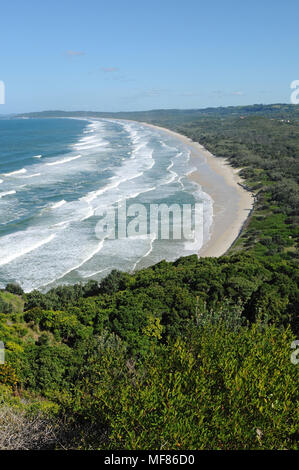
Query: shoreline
x,y
232,203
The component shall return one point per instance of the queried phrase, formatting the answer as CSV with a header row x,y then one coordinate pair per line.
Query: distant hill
x,y
172,116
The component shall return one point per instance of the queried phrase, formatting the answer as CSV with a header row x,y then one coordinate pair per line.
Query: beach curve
x,y
232,203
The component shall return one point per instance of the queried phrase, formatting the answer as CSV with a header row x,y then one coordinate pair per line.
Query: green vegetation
x,y
193,354
215,382
267,152
10,302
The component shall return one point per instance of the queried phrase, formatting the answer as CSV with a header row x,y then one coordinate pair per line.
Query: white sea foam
x,y
63,224
179,154
90,213
18,251
73,268
33,175
138,148
131,178
180,181
58,204
17,172
152,237
89,147
164,145
37,156
87,139
7,193
134,195
170,166
95,194
94,273
172,178
191,170
64,160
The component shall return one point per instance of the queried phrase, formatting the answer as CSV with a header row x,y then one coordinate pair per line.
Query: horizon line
x,y
149,110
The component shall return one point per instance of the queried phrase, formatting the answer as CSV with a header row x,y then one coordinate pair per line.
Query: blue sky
x,y
137,55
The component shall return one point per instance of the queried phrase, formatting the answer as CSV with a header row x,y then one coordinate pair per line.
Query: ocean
x,y
57,179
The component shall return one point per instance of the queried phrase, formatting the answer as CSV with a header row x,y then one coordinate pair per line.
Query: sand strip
x,y
232,203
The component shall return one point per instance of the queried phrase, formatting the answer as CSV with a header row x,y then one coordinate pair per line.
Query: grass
x,y
15,301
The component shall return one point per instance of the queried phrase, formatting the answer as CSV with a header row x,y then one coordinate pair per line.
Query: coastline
x,y
232,203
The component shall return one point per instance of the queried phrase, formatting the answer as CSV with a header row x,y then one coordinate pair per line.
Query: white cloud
x,y
74,53
109,69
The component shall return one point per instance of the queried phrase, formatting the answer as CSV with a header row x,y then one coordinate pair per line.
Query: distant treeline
x,y
175,116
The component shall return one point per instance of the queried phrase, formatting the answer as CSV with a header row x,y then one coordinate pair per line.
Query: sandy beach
x,y
232,203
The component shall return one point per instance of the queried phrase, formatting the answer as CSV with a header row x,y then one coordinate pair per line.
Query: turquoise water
x,y
58,176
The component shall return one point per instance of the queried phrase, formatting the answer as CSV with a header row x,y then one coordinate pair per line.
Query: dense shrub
x,y
14,288
218,388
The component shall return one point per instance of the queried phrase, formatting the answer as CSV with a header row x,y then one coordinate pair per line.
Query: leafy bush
x,y
8,375
216,389
14,288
